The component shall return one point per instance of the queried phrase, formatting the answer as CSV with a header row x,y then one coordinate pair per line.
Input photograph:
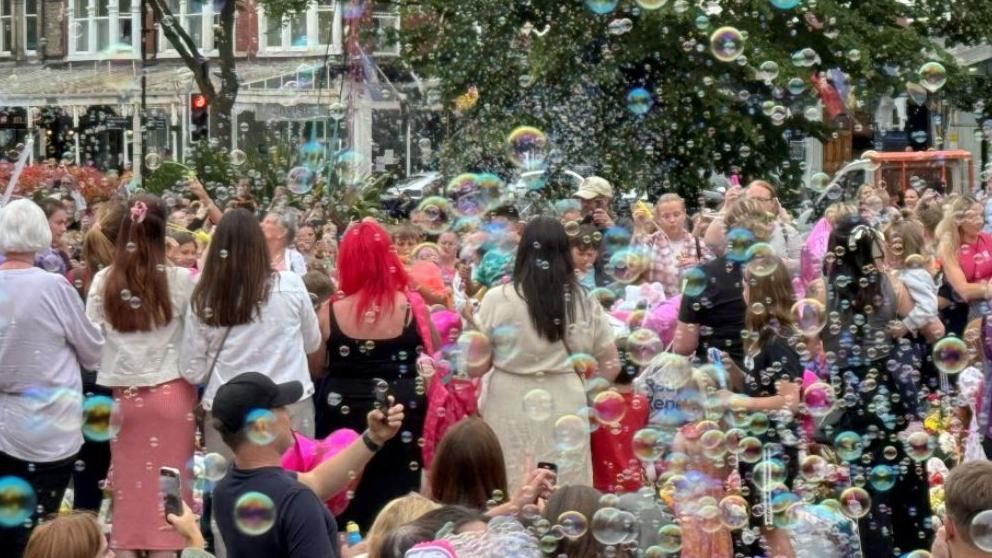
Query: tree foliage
x,y
567,70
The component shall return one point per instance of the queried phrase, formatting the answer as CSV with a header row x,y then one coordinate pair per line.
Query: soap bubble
x,y
17,501
883,477
855,502
573,524
933,76
300,180
920,445
254,513
647,444
694,282
101,418
610,407
785,4
734,512
528,147
601,7
981,530
950,355
642,346
639,101
809,316
651,4
260,425
848,445
727,44
670,538
214,466
153,160
538,405
237,157
612,526
819,399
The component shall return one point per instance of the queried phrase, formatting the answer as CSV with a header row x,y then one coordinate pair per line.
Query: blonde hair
x,y
670,197
750,215
76,535
910,236
838,210
398,512
948,230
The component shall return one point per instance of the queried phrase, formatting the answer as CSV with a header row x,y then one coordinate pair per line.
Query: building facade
x,y
72,77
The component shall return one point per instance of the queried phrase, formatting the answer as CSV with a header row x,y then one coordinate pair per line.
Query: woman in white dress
x,y
541,325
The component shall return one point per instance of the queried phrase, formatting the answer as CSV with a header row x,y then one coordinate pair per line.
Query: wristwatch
x,y
369,442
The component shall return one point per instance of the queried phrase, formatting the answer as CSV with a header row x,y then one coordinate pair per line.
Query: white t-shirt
x,y
276,343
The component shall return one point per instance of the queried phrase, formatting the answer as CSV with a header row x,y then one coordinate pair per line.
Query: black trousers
x,y
49,481
87,494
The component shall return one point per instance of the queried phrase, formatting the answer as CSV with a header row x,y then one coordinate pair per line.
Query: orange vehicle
x,y
948,171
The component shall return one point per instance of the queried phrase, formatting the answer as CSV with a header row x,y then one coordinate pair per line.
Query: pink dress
x,y
976,259
157,430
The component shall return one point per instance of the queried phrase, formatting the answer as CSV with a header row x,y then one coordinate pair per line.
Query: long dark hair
x,y
574,498
235,279
136,291
468,465
544,276
851,266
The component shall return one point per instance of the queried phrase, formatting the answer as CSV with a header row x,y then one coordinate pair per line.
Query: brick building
x,y
70,76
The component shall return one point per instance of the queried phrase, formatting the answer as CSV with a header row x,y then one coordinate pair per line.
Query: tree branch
x,y
185,46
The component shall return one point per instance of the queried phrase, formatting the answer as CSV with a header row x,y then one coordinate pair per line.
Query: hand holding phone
x,y
169,488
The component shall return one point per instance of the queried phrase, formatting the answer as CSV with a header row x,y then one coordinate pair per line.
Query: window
x,y
197,18
312,29
325,21
102,26
6,26
386,25
31,25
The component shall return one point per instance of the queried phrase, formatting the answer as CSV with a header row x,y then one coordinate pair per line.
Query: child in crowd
x,y
320,287
905,256
405,238
181,249
585,250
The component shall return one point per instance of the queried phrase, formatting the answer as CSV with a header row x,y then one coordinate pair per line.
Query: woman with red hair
x,y
375,329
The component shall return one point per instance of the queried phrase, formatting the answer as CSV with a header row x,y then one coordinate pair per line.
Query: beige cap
x,y
594,187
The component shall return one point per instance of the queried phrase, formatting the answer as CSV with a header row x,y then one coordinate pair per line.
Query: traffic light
x,y
199,117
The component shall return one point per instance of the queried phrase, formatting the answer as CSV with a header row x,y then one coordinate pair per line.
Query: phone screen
x,y
168,485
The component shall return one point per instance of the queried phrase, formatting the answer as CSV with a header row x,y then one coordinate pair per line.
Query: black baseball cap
x,y
250,391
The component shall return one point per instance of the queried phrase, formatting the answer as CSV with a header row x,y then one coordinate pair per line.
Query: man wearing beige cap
x,y
595,194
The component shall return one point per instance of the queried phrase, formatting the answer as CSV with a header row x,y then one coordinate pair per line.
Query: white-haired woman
x,y
44,338
279,227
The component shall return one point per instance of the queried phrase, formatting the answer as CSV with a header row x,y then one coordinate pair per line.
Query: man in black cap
x,y
263,510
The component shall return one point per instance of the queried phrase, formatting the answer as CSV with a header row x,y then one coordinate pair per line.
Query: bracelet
x,y
369,442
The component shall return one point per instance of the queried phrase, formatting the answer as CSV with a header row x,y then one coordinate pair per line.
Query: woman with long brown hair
x,y
770,380
246,316
140,302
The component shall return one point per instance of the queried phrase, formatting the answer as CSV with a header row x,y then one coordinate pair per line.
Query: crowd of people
x,y
601,381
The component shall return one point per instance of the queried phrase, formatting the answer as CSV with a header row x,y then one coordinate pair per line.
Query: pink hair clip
x,y
138,211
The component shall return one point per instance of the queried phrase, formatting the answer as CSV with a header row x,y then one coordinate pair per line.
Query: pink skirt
x,y
157,430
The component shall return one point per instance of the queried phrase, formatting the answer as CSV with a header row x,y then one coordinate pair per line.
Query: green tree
x,y
569,69
222,97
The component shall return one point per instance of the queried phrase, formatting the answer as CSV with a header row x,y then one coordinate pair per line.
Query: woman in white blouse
x,y
141,300
44,338
248,318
